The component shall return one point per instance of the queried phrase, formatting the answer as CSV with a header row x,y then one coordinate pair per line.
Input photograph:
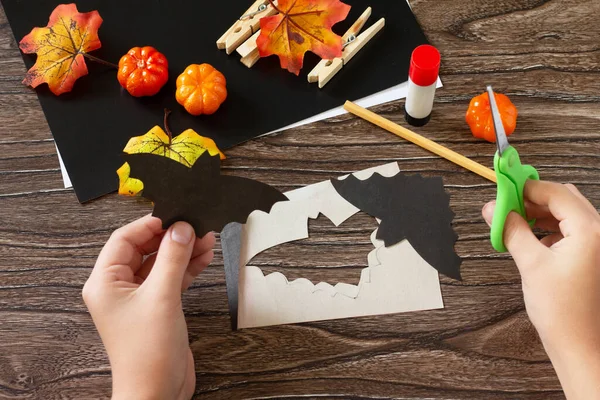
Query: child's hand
x,y
561,280
135,302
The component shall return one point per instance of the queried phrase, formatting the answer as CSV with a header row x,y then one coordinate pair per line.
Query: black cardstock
x,y
410,207
199,195
92,124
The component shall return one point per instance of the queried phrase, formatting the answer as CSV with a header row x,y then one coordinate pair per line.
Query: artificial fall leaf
x,y
185,149
301,26
61,47
128,186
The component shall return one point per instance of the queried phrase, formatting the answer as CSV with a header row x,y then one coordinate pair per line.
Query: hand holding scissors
x,y
511,176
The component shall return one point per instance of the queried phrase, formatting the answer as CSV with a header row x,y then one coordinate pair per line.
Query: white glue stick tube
x,y
422,80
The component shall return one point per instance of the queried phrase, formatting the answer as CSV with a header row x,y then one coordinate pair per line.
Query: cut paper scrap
x,y
199,195
398,279
410,207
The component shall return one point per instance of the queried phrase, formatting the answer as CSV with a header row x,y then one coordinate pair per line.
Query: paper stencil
x,y
288,221
397,279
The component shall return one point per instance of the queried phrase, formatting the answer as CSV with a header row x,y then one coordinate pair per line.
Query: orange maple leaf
x,y
301,26
61,47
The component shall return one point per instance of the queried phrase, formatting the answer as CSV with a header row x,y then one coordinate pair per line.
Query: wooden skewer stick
x,y
421,141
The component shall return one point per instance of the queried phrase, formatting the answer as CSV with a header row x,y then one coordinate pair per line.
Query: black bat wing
x,y
233,201
241,196
410,207
199,195
173,187
369,195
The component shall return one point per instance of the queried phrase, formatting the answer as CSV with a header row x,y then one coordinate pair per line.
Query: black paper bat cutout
x,y
410,207
199,195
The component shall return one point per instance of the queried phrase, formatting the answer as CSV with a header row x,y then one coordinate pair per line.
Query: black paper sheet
x,y
93,123
410,207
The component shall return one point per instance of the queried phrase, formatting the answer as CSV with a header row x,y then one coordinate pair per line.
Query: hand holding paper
x,y
134,297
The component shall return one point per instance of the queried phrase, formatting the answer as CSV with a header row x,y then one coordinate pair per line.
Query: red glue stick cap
x,y
424,65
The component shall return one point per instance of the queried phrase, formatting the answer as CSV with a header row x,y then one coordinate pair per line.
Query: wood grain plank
x,y
543,53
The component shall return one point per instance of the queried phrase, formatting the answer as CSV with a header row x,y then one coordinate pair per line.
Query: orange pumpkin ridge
x,y
479,116
143,71
201,89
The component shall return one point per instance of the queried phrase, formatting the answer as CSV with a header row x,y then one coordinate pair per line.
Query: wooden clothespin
x,y
326,69
245,26
249,51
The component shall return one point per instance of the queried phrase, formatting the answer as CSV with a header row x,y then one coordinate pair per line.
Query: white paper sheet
x,y
63,170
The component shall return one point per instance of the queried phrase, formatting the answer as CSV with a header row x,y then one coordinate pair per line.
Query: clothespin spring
x,y
351,39
260,9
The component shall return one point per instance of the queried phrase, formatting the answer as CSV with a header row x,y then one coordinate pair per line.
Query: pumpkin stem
x,y
100,61
167,129
275,7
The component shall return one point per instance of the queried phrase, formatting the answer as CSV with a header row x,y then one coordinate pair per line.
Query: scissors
x,y
511,176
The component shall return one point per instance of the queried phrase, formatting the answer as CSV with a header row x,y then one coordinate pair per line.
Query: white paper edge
x,y
385,96
63,171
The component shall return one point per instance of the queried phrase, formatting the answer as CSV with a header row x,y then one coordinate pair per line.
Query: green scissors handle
x,y
511,176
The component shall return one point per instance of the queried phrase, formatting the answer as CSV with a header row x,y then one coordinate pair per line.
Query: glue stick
x,y
422,79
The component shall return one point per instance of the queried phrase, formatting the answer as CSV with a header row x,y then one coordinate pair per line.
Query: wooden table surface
x,y
545,54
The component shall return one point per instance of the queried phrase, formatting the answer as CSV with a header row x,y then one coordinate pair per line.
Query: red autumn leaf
x,y
61,47
301,26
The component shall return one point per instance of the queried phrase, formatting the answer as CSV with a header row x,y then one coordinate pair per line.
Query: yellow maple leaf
x,y
185,149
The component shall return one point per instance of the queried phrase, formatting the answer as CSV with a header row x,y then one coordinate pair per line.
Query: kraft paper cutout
x,y
307,202
398,279
288,221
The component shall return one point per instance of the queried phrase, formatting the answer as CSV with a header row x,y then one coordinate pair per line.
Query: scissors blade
x,y
501,140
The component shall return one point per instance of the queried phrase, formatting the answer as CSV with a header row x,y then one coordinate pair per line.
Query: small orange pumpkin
x,y
201,89
143,71
479,116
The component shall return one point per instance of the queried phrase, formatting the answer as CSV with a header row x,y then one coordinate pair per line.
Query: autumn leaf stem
x,y
100,61
275,7
167,129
